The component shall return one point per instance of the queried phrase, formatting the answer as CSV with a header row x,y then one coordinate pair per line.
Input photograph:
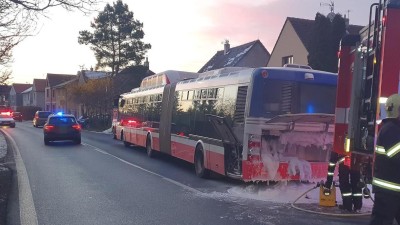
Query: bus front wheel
x,y
149,150
199,167
126,144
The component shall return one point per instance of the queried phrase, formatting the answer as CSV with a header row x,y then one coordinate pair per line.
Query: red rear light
x,y
347,161
76,126
48,127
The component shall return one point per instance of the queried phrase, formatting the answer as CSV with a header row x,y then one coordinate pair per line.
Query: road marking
x,y
27,211
188,188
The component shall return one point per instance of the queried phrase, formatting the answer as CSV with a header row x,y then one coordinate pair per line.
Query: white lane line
x,y
27,211
143,169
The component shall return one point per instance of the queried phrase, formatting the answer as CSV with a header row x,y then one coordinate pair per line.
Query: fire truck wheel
x,y
199,167
150,151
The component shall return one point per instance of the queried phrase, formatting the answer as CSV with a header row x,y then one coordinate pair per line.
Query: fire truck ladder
x,y
371,85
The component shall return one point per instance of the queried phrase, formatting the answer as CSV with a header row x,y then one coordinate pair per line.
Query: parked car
x,y
83,121
40,118
6,119
17,116
61,127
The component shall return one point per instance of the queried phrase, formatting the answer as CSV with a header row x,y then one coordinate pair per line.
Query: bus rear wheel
x,y
199,167
149,150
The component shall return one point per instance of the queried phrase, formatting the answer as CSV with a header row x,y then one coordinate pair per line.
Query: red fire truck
x,y
369,71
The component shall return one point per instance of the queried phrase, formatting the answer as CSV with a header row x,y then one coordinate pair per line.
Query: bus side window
x,y
220,93
190,95
122,103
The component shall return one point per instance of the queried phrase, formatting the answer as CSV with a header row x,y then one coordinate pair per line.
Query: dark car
x,y
17,116
61,127
40,118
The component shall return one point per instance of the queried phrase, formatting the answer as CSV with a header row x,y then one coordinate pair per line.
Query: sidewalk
x,y
5,179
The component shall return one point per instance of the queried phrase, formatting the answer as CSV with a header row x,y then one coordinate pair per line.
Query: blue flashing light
x,y
59,113
310,108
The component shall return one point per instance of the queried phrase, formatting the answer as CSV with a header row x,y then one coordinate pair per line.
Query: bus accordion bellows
x,y
253,124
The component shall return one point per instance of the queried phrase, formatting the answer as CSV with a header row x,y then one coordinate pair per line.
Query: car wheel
x,y
12,126
149,150
199,167
46,141
78,141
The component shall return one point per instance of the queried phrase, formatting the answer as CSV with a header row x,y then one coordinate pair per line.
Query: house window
x,y
52,93
287,60
47,92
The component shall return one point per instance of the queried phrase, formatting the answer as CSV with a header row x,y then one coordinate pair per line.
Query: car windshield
x,y
62,121
44,114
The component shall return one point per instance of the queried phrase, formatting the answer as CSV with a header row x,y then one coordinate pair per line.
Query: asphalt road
x,y
103,182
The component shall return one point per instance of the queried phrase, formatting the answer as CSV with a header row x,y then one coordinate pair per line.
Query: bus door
x,y
166,118
232,147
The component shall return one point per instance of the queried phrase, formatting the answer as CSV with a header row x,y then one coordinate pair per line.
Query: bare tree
x,y
18,20
41,5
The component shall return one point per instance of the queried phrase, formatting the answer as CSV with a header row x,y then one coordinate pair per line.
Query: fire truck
x,y
369,72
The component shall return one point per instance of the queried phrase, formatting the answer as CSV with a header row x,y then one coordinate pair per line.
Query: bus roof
x,y
166,77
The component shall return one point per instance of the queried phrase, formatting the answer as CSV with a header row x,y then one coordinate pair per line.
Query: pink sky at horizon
x,y
184,34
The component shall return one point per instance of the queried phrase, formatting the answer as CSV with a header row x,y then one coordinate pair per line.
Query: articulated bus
x,y
253,124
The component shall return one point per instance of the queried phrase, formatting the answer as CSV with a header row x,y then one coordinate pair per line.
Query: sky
x,y
184,34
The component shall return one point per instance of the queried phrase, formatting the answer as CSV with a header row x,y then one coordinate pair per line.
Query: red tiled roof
x,y
40,84
19,88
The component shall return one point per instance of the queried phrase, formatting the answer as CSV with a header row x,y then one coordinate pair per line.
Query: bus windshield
x,y
277,97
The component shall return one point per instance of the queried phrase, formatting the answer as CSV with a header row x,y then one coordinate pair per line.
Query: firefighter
x,y
386,179
348,182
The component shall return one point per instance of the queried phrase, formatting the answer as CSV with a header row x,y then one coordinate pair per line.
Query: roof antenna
x,y
331,5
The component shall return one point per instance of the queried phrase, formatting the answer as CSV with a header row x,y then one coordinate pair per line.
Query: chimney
x,y
146,63
226,46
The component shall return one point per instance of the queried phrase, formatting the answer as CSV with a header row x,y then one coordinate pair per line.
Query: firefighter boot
x,y
356,189
345,188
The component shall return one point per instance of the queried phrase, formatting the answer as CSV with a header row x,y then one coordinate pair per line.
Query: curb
x,y
6,174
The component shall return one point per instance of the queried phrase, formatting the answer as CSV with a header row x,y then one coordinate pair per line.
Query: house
x,y
38,89
252,54
64,100
27,99
16,94
63,97
5,94
130,78
293,44
53,80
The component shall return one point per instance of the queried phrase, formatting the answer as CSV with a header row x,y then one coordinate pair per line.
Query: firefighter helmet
x,y
392,106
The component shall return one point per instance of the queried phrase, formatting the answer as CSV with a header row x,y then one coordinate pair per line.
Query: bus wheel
x,y
150,151
114,133
199,167
126,144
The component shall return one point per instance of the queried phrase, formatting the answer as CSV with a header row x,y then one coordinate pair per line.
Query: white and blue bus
x,y
245,123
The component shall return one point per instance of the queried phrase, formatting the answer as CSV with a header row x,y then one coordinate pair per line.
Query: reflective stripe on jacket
x,y
387,157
